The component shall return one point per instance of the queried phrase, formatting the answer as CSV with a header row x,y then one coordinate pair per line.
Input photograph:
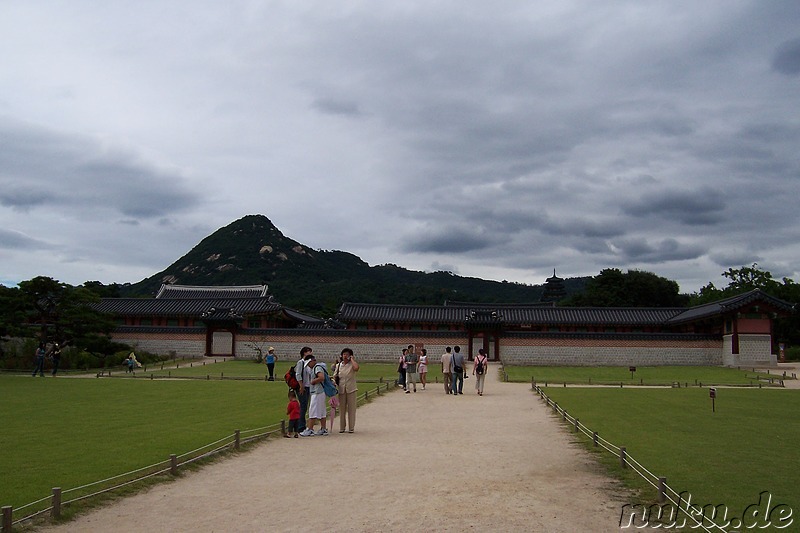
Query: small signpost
x,y
632,369
712,393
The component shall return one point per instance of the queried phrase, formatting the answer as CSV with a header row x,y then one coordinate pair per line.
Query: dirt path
x,y
416,462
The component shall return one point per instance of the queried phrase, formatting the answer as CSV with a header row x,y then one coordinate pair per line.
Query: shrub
x,y
793,353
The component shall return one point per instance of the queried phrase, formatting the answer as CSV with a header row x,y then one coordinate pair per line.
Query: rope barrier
x,y
634,465
195,455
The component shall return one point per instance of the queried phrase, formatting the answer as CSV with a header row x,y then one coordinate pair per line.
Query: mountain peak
x,y
251,250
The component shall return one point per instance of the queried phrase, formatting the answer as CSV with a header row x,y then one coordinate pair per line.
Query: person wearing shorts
x,y
317,408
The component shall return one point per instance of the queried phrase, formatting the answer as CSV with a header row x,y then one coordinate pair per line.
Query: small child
x,y
293,410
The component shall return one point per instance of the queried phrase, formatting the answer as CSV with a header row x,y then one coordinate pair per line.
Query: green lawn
x,y
747,446
647,375
66,432
70,431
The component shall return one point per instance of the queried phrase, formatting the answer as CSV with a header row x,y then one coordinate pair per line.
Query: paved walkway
x,y
416,462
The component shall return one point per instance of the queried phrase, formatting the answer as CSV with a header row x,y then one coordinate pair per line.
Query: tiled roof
x,y
732,304
192,292
547,313
507,313
184,307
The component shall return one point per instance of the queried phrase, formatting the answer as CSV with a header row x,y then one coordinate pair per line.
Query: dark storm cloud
x,y
699,207
43,169
448,241
14,240
787,58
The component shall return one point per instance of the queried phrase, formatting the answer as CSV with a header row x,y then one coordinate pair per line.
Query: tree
x,y
635,288
748,278
59,313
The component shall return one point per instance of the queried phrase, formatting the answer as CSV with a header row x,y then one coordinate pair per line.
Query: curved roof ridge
x,y
183,291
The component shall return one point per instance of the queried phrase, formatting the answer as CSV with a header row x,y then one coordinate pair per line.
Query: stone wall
x,y
183,344
377,347
515,348
754,350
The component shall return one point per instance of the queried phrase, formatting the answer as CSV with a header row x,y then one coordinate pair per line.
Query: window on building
x,y
172,322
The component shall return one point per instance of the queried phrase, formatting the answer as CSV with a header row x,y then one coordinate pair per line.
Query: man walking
x,y
458,371
447,370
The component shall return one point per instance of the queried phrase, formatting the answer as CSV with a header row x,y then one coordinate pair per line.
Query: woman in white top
x,y
422,368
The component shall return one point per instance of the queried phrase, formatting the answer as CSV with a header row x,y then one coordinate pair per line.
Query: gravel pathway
x,y
416,462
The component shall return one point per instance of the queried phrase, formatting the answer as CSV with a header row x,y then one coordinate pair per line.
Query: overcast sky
x,y
496,139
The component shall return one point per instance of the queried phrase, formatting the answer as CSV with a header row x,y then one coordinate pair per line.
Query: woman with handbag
x,y
345,377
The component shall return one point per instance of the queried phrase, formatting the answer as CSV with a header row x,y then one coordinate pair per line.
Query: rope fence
x,y
55,501
666,494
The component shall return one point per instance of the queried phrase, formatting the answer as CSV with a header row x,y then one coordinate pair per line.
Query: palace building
x,y
195,321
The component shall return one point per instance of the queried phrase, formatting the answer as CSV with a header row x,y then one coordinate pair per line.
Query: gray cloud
x,y
336,107
698,207
787,58
506,138
62,171
665,250
19,241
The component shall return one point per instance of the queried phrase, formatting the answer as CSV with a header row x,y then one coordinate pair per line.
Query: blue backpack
x,y
328,386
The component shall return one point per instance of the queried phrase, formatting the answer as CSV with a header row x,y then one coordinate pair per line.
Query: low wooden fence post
x,y
594,439
236,440
662,490
56,512
283,427
622,455
173,464
577,423
8,512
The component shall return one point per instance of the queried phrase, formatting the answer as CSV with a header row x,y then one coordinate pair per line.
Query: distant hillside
x,y
252,250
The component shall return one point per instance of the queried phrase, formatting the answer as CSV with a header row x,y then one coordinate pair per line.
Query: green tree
x,y
59,313
748,278
635,288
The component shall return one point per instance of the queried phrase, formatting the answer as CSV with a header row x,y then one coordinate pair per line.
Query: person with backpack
x,y
479,369
317,410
